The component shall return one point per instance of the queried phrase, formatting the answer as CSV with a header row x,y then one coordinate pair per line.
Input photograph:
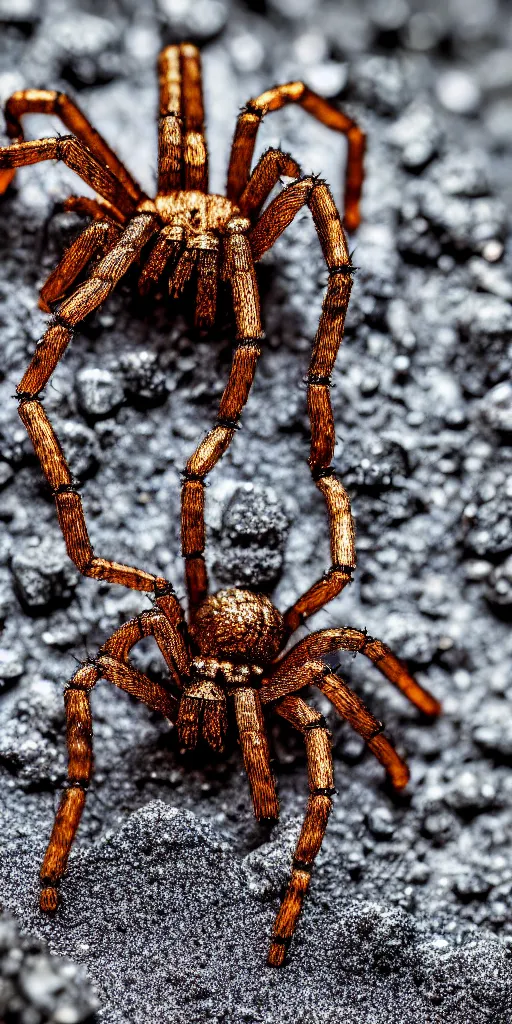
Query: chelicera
x,y
228,658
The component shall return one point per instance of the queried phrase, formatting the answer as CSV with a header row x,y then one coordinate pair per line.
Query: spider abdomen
x,y
239,625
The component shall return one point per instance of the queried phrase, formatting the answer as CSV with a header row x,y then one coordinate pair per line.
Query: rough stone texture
x,y
172,886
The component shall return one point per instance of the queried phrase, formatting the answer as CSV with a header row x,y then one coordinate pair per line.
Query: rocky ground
x,y
172,887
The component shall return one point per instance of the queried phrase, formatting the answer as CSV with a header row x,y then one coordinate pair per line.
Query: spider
x,y
229,656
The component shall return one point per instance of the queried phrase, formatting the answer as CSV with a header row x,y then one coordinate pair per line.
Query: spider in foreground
x,y
229,657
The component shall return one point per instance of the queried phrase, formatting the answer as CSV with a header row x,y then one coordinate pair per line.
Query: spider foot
x,y
49,899
277,953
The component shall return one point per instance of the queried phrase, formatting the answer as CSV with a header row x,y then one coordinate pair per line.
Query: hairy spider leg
x,y
165,253
354,711
44,101
75,155
321,787
87,297
182,152
282,678
79,738
97,208
270,167
255,750
240,270
274,220
296,92
94,240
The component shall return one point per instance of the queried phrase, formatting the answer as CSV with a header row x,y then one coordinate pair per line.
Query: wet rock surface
x,y
172,886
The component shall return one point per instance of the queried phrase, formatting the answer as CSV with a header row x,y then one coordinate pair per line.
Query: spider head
x,y
196,212
238,625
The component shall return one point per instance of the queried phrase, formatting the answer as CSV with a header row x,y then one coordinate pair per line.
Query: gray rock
x,y
38,988
99,392
43,575
144,382
496,407
499,590
252,539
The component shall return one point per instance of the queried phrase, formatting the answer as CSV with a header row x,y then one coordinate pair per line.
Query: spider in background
x,y
228,660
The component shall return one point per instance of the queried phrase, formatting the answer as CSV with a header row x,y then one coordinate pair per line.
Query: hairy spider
x,y
230,655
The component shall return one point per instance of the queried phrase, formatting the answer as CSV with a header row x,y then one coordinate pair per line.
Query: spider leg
x,y
296,92
167,249
98,209
69,505
87,297
207,279
75,155
265,175
277,216
46,445
253,740
195,153
321,786
80,763
182,153
352,708
283,678
43,101
170,143
169,633
249,335
95,239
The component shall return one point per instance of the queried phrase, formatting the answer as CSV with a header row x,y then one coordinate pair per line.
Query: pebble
x,y
43,574
99,392
416,134
200,21
496,407
381,823
251,539
458,92
471,792
144,382
499,588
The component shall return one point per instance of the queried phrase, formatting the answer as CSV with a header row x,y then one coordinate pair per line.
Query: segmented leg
x,y
80,763
75,155
284,677
43,101
278,215
182,153
98,209
165,253
169,634
240,270
352,708
46,445
265,175
207,278
253,739
69,505
96,238
87,297
296,92
321,786
170,124
195,154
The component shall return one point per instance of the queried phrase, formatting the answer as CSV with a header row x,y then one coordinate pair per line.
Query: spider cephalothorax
x,y
238,633
230,655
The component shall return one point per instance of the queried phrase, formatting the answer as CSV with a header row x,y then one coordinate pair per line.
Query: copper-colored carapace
x,y
228,660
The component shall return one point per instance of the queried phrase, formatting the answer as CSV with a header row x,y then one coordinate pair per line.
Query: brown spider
x,y
229,654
